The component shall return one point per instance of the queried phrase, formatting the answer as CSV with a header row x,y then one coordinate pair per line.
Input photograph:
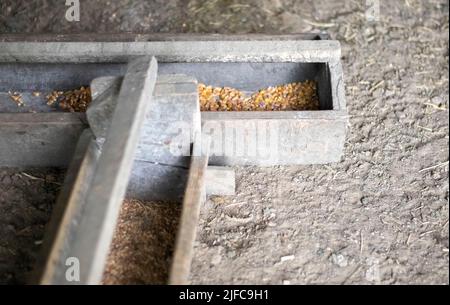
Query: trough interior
x,y
28,77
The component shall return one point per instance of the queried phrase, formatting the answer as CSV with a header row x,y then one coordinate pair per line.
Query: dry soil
x,y
379,216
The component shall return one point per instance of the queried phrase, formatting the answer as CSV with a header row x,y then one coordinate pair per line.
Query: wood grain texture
x,y
194,196
102,194
50,268
153,37
113,170
39,139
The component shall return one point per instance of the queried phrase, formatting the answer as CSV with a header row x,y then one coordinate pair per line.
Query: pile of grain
x,y
143,243
294,96
76,100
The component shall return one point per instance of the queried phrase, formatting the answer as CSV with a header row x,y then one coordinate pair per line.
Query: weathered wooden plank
x,y
114,168
241,139
91,243
194,196
62,228
169,126
320,51
39,139
151,181
155,37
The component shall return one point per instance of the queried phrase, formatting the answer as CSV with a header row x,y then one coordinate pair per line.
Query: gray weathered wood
x,y
105,91
114,168
151,181
154,37
275,138
303,138
193,198
172,120
107,189
64,224
39,139
319,51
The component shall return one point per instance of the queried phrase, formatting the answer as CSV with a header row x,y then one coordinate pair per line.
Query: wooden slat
x,y
50,267
113,170
39,139
194,196
154,37
247,51
101,202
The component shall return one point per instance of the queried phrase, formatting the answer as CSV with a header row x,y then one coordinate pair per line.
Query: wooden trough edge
x,y
130,37
195,196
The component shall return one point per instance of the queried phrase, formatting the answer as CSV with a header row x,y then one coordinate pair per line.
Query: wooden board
x,y
62,228
39,139
155,37
194,196
101,201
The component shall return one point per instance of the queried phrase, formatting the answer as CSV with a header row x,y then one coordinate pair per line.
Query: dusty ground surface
x,y
142,247
26,201
379,216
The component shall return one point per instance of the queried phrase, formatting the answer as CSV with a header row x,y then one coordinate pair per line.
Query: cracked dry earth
x,y
378,217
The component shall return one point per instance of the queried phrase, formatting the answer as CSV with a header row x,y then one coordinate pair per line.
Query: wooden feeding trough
x,y
282,137
144,136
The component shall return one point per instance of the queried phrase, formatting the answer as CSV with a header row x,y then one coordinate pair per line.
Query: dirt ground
x,y
26,201
378,217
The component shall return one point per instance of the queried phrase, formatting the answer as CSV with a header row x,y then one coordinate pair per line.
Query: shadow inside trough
x,y
26,78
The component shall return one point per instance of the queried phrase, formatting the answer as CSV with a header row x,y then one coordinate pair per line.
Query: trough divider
x,y
195,196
